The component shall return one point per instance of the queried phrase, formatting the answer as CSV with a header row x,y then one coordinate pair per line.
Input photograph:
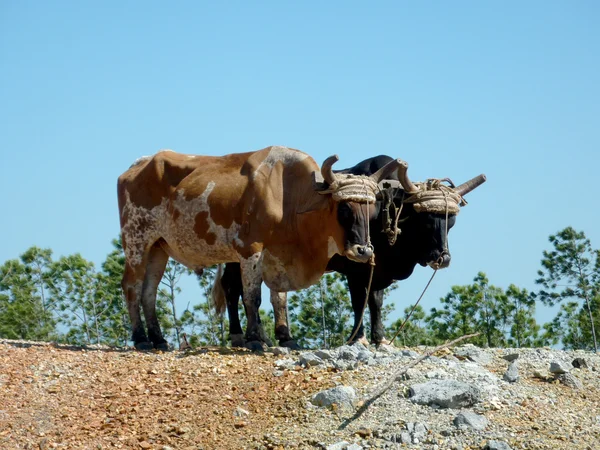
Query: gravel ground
x,y
101,398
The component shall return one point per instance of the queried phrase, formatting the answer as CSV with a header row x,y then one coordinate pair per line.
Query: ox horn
x,y
408,185
382,173
468,186
326,170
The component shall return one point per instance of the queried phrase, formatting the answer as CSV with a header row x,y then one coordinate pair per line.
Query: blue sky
x,y
510,89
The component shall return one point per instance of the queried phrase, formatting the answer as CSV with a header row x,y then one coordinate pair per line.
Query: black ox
x,y
402,237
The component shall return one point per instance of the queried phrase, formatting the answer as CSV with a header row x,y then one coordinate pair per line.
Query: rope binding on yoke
x,y
348,187
352,188
433,196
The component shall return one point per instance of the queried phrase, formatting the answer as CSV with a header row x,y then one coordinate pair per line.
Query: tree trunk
x,y
589,308
587,302
323,315
172,298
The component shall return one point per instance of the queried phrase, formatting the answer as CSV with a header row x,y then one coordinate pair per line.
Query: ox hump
x,y
287,156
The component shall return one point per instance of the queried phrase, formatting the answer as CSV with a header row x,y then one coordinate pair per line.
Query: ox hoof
x,y
363,340
162,346
381,342
256,346
291,344
144,345
237,340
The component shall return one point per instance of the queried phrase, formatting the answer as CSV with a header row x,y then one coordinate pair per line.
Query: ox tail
x,y
217,293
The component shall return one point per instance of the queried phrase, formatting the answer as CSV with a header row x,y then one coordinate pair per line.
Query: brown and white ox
x,y
262,209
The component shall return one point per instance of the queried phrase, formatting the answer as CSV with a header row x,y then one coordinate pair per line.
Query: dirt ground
x,y
71,398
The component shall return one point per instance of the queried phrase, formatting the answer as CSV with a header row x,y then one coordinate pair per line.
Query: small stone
x,y
310,360
345,365
411,374
541,375
558,367
350,352
511,357
387,348
445,394
512,373
241,412
325,355
354,447
469,419
145,444
475,354
364,355
339,395
405,438
342,445
285,364
437,373
580,363
419,431
364,432
277,351
568,379
497,445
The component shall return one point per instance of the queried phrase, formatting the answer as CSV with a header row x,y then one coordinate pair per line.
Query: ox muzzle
x,y
359,253
441,262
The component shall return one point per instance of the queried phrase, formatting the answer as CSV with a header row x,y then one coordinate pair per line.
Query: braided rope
x,y
352,188
435,197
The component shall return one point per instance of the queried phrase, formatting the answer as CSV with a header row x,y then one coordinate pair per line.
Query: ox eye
x,y
344,212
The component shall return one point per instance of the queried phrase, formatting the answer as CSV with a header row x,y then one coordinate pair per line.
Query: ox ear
x,y
315,203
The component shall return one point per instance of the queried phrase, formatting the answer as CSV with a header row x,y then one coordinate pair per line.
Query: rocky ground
x,y
462,398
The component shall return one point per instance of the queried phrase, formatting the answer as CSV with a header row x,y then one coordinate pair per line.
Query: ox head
x,y
430,213
355,198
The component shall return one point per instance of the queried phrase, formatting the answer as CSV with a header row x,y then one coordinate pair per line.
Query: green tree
x,y
201,323
565,327
117,324
457,316
524,328
76,289
166,299
322,313
479,307
38,264
24,312
571,271
415,331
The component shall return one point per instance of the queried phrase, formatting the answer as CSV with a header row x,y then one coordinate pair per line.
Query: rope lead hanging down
x,y
372,264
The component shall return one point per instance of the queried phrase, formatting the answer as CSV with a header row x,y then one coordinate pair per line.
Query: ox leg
x,y
256,338
155,269
231,281
132,288
282,327
358,293
375,308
